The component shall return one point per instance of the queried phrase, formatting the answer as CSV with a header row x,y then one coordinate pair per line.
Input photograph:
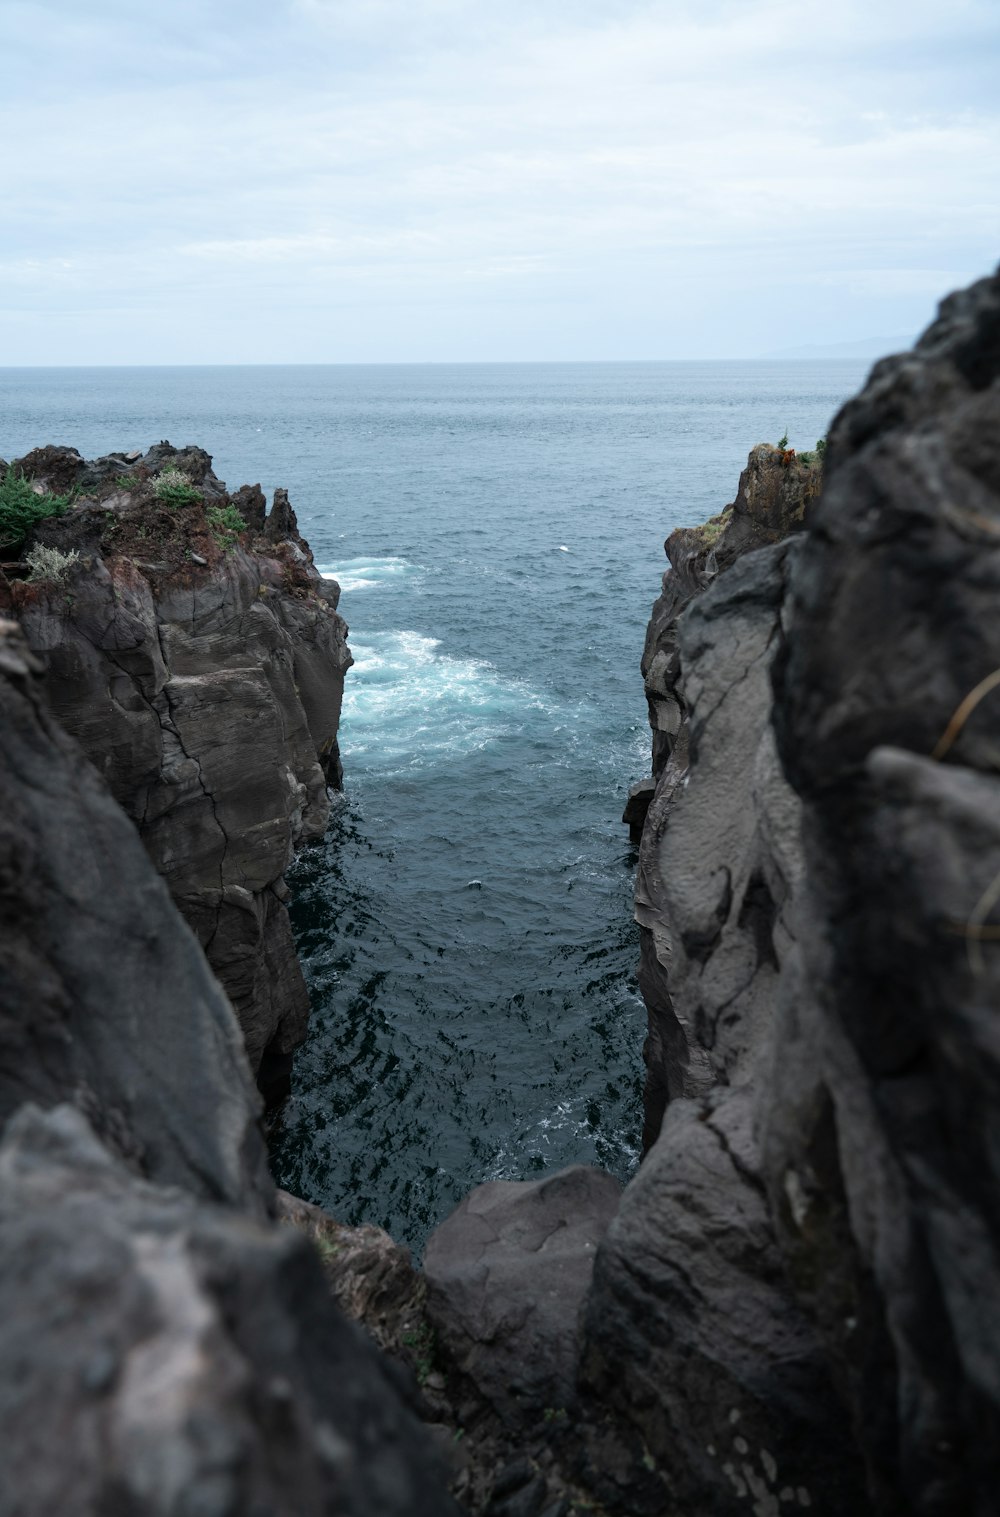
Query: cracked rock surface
x,y
693,1332
165,1349
163,1356
105,998
797,1302
775,491
882,1119
201,669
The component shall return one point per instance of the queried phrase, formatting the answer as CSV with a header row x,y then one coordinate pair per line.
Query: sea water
x,y
497,532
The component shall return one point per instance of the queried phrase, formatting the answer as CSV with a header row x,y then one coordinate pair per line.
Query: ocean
x,y
465,926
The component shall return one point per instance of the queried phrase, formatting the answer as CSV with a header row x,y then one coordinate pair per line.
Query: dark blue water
x,y
497,531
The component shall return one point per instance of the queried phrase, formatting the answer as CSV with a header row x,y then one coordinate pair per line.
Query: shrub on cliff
x,y
49,564
175,489
226,524
23,506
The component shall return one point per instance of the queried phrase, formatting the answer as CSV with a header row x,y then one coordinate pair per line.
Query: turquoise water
x,y
497,531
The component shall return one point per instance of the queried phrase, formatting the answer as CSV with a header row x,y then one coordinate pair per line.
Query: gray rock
x,y
162,1356
882,1118
693,1332
206,688
775,491
636,806
105,996
693,1335
506,1275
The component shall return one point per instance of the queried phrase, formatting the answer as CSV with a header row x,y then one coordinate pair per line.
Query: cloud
x,y
680,175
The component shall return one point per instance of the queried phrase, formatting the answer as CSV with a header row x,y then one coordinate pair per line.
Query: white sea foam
x,y
369,572
409,703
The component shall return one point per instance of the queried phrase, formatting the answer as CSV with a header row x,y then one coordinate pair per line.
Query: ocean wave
x,y
368,572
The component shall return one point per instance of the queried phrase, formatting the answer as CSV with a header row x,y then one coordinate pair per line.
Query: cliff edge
x,y
196,654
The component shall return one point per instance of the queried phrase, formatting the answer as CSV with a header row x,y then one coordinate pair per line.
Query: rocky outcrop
x,y
693,1331
795,1302
164,1356
105,999
881,1130
164,1347
775,490
197,656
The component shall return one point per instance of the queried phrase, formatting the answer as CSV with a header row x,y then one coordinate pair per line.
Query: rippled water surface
x,y
497,533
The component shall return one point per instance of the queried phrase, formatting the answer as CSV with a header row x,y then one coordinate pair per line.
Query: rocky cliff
x,y
797,1301
197,656
164,1347
794,1305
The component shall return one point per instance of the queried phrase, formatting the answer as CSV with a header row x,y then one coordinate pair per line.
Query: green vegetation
x,y
127,481
226,524
49,564
328,1249
708,532
423,1346
782,442
175,489
22,507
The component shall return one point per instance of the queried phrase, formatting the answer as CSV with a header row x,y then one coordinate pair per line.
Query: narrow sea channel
x,y
497,531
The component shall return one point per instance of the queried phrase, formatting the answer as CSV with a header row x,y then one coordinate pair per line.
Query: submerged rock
x,y
200,665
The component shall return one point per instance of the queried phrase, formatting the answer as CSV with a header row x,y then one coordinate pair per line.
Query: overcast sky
x,y
254,181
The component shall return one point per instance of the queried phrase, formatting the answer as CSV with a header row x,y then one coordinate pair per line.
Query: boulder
x,y
164,1356
506,1276
694,1337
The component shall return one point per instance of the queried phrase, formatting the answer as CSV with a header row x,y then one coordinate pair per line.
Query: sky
x,y
317,181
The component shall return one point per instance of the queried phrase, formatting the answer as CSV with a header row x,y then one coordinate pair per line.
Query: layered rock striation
x,y
196,654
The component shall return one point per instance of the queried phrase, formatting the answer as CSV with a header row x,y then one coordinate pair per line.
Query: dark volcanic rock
x,y
775,491
162,1356
883,1119
159,1354
202,672
506,1276
105,997
693,1333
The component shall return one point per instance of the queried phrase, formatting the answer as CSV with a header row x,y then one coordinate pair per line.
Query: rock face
x,y
882,1129
796,1304
164,1348
693,1332
196,654
105,997
163,1356
775,489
